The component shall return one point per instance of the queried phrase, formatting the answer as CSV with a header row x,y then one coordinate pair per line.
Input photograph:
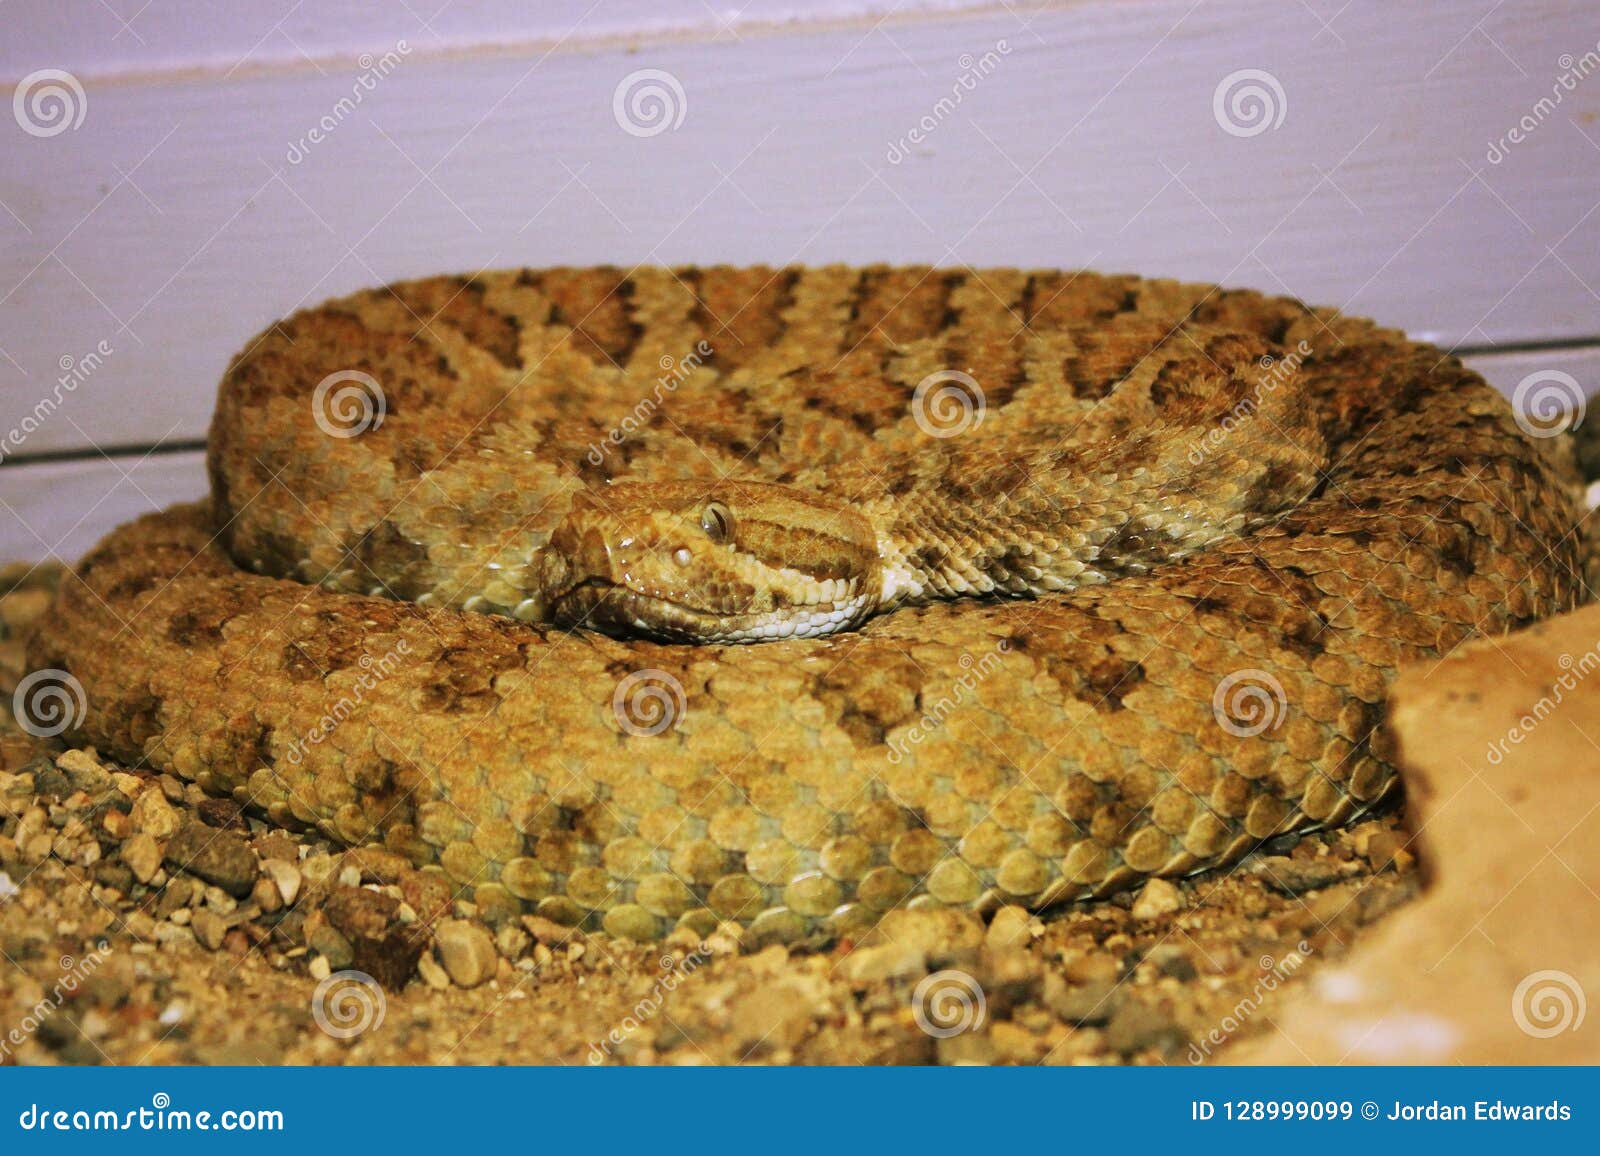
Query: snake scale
x,y
791,595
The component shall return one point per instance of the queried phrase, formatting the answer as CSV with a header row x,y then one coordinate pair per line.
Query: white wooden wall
x,y
174,201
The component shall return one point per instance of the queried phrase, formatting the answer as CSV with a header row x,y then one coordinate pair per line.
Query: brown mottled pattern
x,y
1378,501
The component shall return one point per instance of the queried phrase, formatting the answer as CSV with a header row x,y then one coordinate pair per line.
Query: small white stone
x,y
1158,898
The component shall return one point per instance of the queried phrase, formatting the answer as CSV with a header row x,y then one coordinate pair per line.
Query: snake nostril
x,y
683,555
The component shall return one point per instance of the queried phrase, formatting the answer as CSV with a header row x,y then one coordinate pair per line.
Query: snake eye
x,y
717,521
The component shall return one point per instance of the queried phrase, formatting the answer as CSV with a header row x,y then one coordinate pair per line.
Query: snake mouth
x,y
622,612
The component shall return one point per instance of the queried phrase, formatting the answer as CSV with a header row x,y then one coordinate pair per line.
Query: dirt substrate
x,y
141,922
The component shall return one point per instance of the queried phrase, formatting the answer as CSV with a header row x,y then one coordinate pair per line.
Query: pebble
x,y
331,946
173,934
209,928
155,816
265,895
128,785
1159,897
1011,927
1172,959
1386,848
892,960
116,824
1087,1003
1289,876
142,855
432,974
220,857
20,608
511,941
83,770
1136,1026
466,951
549,932
318,868
285,876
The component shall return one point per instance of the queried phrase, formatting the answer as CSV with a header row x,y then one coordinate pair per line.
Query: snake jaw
x,y
728,562
625,613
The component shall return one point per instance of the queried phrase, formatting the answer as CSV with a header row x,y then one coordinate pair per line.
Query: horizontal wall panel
x,y
180,217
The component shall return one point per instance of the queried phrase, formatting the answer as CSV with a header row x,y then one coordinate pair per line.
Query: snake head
x,y
713,562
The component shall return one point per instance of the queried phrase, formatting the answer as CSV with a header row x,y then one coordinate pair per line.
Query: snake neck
x,y
1053,524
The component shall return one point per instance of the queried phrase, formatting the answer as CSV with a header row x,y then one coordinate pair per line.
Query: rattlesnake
x,y
1068,580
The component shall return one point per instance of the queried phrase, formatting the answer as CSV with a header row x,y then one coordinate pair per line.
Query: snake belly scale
x,y
791,595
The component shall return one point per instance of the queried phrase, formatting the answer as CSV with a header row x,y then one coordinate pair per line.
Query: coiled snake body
x,y
1058,581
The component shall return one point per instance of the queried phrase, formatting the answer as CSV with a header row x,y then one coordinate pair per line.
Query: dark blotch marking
x,y
461,679
193,628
